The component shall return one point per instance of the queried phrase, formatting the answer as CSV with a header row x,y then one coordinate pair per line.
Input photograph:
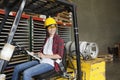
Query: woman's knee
x,y
17,68
26,73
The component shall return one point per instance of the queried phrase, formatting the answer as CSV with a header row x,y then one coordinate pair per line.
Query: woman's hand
x,y
41,55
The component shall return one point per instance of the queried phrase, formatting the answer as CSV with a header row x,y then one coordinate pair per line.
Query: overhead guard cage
x,y
51,8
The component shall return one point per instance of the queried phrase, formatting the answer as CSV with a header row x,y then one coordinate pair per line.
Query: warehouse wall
x,y
99,21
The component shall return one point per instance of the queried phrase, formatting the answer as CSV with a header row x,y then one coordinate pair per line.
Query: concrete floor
x,y
113,70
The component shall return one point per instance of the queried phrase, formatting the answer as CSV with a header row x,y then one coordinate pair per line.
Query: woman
x,y
53,49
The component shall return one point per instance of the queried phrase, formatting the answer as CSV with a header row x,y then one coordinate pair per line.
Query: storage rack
x,y
39,34
21,37
65,33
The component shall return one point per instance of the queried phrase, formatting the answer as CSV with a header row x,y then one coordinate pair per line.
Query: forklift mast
x,y
58,6
7,51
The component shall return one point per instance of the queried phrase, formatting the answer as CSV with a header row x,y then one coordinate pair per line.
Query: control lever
x,y
28,52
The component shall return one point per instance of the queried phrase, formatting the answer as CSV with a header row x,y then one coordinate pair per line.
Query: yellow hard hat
x,y
49,21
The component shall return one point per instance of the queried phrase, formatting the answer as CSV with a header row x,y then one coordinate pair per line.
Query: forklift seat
x,y
53,73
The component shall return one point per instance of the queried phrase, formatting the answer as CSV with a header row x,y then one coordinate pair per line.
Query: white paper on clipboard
x,y
36,57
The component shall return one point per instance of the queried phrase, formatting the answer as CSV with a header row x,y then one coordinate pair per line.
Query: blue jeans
x,y
30,69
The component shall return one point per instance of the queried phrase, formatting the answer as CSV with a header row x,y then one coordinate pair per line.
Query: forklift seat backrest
x,y
63,64
64,60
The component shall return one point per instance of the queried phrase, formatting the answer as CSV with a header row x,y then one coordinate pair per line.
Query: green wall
x,y
99,21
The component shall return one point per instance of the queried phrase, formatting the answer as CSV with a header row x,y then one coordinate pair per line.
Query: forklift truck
x,y
46,7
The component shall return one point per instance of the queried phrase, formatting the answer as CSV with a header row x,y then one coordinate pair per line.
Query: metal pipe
x,y
76,36
66,3
30,36
16,22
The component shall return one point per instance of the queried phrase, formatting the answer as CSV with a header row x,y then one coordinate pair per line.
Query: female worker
x,y
53,49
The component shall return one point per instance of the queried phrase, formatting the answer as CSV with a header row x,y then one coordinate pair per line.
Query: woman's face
x,y
51,31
